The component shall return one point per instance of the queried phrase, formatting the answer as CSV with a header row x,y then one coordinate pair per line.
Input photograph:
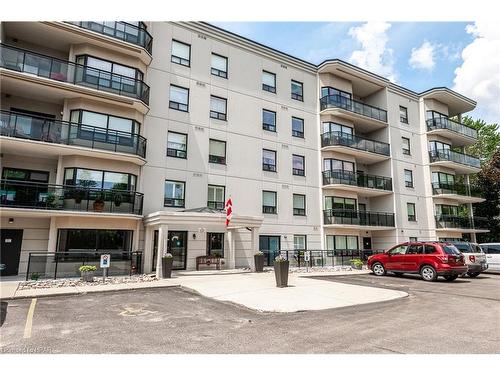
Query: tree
x,y
488,138
488,181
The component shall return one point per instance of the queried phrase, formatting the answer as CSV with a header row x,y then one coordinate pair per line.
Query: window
x,y
340,203
331,91
299,205
443,180
215,244
219,65
298,165
98,179
94,239
415,249
400,250
341,243
174,194
429,249
218,108
403,114
406,145
268,81
268,120
446,210
216,197
332,127
116,126
410,209
408,178
25,175
177,145
179,98
299,242
297,90
269,202
269,160
217,152
413,239
297,127
181,53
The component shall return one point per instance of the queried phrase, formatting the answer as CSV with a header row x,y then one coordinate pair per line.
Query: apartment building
x,y
130,137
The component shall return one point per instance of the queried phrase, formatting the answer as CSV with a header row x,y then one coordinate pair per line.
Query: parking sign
x,y
307,256
105,260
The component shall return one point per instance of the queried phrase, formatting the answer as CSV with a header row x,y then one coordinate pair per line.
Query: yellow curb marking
x,y
29,319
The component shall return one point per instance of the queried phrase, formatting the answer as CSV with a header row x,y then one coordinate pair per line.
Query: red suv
x,y
429,259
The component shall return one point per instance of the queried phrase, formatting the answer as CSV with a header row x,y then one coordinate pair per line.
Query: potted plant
x,y
259,261
99,203
118,199
166,265
78,195
281,267
357,264
51,200
87,273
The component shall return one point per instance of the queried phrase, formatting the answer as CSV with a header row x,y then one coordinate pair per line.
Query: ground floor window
x,y
341,242
299,242
215,244
94,239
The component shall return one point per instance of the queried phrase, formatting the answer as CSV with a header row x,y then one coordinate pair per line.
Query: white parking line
x,y
29,319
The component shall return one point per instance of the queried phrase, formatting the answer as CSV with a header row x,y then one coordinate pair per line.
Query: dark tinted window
x,y
491,249
476,249
463,247
429,249
414,249
450,249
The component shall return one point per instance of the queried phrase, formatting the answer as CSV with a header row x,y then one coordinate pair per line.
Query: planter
x,y
259,263
98,206
88,276
281,273
166,267
357,266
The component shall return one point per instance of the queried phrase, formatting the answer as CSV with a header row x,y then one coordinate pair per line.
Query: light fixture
x,y
11,220
194,236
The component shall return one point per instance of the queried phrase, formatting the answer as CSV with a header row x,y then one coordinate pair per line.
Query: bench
x,y
209,260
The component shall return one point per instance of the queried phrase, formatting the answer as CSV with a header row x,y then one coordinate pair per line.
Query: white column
x,y
162,247
60,171
51,246
254,246
231,262
148,250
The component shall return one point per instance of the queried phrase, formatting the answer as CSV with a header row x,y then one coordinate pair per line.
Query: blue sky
x,y
416,55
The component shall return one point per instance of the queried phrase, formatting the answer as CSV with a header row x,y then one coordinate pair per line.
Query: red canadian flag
x,y
229,211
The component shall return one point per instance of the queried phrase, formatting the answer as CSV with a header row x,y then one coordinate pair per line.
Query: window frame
x,y
172,56
409,216
267,87
171,102
215,159
218,72
298,211
183,199
176,150
209,249
296,171
297,97
269,127
304,236
296,133
403,119
406,151
218,115
216,205
103,172
408,184
273,209
268,168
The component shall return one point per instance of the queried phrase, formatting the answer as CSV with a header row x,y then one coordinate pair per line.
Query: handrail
x,y
455,126
339,176
337,138
351,105
25,61
455,188
69,133
364,218
454,156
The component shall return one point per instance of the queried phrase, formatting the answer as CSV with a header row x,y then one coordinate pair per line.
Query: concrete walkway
x,y
253,290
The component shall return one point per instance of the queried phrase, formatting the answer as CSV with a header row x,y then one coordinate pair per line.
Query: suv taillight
x,y
444,258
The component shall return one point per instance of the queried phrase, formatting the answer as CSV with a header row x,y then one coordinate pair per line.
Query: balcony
x,y
19,60
120,30
458,133
461,223
365,150
461,163
52,131
29,195
358,218
462,193
366,184
372,117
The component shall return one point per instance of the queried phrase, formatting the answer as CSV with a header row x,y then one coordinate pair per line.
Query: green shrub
x,y
34,276
87,268
357,262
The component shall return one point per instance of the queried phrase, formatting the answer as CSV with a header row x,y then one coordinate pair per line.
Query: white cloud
x,y
479,75
423,56
374,54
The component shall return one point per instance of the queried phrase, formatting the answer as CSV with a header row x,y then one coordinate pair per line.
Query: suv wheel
x,y
428,273
378,269
473,274
450,277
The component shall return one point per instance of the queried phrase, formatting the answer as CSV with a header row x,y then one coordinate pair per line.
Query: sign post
x,y
105,261
307,259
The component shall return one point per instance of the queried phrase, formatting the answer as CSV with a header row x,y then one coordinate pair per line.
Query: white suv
x,y
475,259
492,251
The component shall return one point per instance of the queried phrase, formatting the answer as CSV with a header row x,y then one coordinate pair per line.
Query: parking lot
x,y
441,317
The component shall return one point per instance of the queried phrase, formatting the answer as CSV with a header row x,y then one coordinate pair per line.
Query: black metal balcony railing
x,y
269,167
339,176
20,60
216,159
299,211
62,132
350,105
319,258
298,172
216,205
120,30
22,194
446,123
461,222
51,265
269,209
176,150
353,141
457,157
173,202
455,188
364,218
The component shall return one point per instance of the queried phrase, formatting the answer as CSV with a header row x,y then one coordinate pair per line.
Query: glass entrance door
x,y
270,245
177,246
